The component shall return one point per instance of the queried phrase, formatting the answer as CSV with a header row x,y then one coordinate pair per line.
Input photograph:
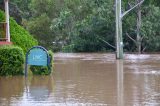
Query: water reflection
x,y
18,91
40,88
120,101
10,88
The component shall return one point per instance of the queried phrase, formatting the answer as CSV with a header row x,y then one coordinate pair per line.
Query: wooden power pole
x,y
119,17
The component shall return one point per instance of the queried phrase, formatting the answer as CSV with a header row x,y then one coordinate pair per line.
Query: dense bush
x,y
68,48
19,36
43,70
11,60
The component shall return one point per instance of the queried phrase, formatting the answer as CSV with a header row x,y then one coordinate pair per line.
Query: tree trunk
x,y
139,41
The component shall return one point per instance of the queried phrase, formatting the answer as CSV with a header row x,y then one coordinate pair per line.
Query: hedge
x,y
19,36
43,70
11,61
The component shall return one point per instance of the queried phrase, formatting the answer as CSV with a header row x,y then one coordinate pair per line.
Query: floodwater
x,y
88,80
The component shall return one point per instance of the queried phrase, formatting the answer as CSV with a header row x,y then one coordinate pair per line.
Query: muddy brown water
x,y
88,80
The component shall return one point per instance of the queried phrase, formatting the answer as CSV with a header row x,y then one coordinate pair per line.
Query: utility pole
x,y
119,17
119,40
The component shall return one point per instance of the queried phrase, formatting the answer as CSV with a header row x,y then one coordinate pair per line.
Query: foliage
x,y
150,28
62,27
39,23
81,30
89,25
15,12
68,48
39,27
23,6
51,58
43,70
11,60
2,17
19,36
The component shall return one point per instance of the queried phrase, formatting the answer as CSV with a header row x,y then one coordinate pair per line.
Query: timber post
x,y
7,20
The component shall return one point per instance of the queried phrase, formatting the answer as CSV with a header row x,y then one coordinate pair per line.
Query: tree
x,y
89,25
150,27
39,23
139,38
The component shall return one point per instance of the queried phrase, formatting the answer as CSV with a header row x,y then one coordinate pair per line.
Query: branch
x,y
144,49
131,8
131,38
133,30
106,42
142,38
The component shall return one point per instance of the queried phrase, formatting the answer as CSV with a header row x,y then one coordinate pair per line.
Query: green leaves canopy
x,y
89,25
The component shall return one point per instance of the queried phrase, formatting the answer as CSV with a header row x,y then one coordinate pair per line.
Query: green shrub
x,y
19,36
68,48
51,59
43,70
2,17
11,60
